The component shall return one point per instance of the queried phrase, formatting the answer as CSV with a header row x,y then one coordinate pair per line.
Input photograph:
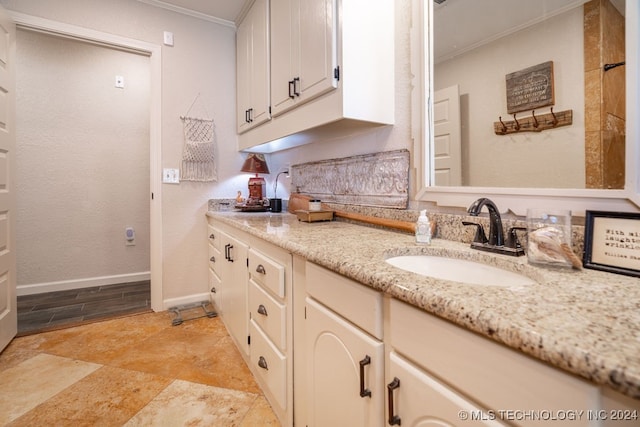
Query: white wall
x,y
549,159
82,162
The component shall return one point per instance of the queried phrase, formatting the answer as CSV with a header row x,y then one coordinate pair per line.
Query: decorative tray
x,y
252,208
313,216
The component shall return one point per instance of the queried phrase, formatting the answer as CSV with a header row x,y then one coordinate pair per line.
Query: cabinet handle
x,y
250,115
394,420
246,116
262,362
212,237
214,290
296,81
262,310
260,269
227,252
212,259
292,88
364,392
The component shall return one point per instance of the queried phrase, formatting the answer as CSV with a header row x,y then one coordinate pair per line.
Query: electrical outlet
x,y
130,236
170,176
120,82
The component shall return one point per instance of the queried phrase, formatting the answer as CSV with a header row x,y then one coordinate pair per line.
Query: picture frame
x,y
612,242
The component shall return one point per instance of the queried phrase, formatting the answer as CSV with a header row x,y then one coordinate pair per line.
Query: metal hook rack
x,y
533,123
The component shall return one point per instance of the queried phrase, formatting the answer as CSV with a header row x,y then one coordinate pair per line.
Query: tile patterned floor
x,y
130,371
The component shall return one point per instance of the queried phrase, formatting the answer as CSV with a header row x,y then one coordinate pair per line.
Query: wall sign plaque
x,y
612,242
530,88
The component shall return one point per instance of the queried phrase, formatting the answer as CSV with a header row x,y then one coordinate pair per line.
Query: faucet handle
x,y
480,237
512,238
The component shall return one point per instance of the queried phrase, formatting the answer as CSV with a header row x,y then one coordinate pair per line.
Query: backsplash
x,y
379,179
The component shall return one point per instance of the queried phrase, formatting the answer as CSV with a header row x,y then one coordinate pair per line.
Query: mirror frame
x,y
519,199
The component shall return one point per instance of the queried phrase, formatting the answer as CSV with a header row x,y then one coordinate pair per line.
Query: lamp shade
x,y
255,163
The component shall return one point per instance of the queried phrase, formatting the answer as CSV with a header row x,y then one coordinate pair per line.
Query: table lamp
x,y
256,163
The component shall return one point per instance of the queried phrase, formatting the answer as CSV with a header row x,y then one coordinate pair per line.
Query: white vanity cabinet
x,y
228,253
252,63
303,51
482,378
332,71
344,352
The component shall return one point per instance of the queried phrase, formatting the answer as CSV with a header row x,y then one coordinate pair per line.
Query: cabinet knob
x,y
212,259
260,269
364,392
262,310
212,236
262,362
394,420
214,290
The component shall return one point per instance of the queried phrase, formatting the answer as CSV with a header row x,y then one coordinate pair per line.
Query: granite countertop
x,y
585,322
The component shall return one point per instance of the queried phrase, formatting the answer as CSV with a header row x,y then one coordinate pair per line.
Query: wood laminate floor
x,y
53,310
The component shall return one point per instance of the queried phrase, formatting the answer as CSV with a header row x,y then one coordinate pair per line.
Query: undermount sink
x,y
459,270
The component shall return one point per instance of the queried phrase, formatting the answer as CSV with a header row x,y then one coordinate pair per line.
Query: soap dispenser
x,y
423,228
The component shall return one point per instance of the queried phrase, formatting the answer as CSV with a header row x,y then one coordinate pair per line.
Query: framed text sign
x,y
612,242
530,88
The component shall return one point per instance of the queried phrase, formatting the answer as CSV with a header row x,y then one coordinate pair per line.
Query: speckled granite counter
x,y
585,322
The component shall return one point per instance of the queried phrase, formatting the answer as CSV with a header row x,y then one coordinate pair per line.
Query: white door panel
x,y
8,311
447,137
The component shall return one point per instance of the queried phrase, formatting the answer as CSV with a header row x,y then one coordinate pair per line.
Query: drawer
x,y
214,290
269,314
214,237
215,259
266,272
269,365
353,301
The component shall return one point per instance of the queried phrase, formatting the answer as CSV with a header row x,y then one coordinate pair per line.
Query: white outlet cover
x,y
170,176
120,82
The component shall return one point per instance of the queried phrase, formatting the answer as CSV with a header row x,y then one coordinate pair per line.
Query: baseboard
x,y
65,285
189,299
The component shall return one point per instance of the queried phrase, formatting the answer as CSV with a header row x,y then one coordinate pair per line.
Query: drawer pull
x,y
260,269
213,289
211,236
364,392
212,259
262,310
394,420
262,362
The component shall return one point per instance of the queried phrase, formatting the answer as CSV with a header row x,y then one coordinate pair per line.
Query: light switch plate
x,y
170,176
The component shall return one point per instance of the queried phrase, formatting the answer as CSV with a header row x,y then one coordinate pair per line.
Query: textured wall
x,y
82,168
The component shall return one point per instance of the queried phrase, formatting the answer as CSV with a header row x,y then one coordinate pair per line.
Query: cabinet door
x,y
416,399
318,47
252,75
235,279
345,370
303,51
284,54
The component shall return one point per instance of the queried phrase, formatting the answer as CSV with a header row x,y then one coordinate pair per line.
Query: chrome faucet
x,y
495,242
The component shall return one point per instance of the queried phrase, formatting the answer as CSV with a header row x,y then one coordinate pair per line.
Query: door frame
x,y
154,52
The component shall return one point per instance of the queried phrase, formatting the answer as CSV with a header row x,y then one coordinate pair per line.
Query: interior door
x,y
447,137
8,310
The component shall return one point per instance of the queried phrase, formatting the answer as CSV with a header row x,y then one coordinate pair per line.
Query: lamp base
x,y
257,187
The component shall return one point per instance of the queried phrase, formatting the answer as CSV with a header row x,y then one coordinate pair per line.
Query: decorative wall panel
x,y
380,179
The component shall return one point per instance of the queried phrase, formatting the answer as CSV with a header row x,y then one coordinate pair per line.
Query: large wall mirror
x,y
471,47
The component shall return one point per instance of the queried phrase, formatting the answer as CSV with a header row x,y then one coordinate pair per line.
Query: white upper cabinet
x,y
303,51
252,56
332,72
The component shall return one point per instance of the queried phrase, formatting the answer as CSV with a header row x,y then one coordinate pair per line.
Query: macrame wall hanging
x,y
199,151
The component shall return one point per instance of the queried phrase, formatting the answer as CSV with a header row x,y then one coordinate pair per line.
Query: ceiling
x,y
226,10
